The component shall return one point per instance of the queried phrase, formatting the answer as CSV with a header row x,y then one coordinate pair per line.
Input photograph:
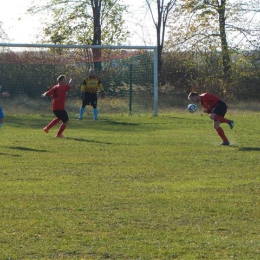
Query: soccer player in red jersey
x,y
217,110
58,94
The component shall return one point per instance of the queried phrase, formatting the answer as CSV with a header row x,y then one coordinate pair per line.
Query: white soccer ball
x,y
192,108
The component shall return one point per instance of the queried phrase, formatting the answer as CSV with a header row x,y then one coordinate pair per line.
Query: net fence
x,y
127,75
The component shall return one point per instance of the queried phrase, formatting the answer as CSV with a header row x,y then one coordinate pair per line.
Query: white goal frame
x,y
155,59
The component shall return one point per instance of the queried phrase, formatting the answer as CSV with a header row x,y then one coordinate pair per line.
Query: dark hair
x,y
193,94
60,78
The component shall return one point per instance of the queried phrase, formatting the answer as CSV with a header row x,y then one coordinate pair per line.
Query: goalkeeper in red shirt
x,y
90,86
58,94
217,110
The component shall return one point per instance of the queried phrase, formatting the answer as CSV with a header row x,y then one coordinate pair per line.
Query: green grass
x,y
130,187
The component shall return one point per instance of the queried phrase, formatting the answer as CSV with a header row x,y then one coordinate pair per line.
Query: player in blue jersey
x,y
4,94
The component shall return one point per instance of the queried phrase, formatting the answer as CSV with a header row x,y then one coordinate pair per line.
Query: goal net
x,y
128,74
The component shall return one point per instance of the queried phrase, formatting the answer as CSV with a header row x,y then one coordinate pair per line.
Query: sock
x,y
61,129
1,125
81,112
53,123
221,133
95,112
221,119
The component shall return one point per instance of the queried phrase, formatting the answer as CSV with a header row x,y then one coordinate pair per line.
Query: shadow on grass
x,y
120,123
249,149
23,122
86,140
26,149
6,154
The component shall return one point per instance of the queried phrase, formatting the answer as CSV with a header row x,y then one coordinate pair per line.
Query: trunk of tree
x,y
224,45
96,7
159,40
162,13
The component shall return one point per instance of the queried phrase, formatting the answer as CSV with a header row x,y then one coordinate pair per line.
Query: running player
x,y
58,94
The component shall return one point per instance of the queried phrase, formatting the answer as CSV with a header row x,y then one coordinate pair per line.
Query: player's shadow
x,y
87,140
22,148
120,123
249,149
6,154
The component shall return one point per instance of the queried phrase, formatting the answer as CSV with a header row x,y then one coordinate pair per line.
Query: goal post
x,y
20,62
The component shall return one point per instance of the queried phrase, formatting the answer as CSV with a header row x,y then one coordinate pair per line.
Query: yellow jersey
x,y
92,85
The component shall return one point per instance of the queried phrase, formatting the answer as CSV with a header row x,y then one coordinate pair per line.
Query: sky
x,y
22,27
19,26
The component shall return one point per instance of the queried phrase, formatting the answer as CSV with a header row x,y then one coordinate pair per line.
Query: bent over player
x,y
217,110
58,94
89,89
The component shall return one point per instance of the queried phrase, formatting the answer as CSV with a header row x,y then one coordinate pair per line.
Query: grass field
x,y
130,187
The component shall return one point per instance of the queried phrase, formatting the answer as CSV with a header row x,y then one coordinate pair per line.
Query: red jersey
x,y
58,95
208,101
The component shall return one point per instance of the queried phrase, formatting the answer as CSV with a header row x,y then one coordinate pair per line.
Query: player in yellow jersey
x,y
90,86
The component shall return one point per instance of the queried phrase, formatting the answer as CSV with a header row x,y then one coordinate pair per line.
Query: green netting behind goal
x,y
126,74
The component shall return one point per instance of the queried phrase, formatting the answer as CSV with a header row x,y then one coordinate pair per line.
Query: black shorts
x,y
220,109
62,115
89,99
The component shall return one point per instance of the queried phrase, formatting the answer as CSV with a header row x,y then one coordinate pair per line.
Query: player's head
x,y
61,79
91,73
194,97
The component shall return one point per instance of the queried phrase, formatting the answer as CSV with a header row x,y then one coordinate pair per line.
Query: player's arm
x,y
83,89
101,88
47,93
206,108
83,86
70,83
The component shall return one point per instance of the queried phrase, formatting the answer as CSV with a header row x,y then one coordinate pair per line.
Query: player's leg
x,y
82,109
1,117
95,113
54,122
221,133
218,114
63,115
221,119
94,105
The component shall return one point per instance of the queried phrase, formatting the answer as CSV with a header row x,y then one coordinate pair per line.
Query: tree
x,y
84,22
163,9
96,7
3,35
213,24
200,23
245,28
220,7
